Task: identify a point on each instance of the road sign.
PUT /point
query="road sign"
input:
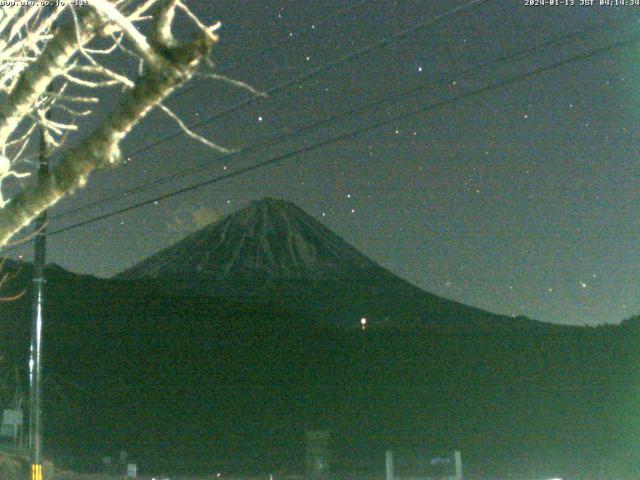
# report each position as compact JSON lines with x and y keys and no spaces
{"x":12,"y":417}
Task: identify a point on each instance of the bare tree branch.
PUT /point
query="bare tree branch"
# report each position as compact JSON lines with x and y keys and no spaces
{"x":169,"y":67}
{"x":49,"y":60}
{"x":34,"y":81}
{"x":192,"y":134}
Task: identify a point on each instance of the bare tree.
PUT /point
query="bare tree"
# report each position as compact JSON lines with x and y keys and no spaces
{"x":53,"y":58}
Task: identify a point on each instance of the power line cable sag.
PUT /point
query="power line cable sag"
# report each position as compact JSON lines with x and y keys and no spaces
{"x":261,"y":51}
{"x":444,"y":79}
{"x":353,"y":133}
{"x":362,"y":51}
{"x":318,"y":70}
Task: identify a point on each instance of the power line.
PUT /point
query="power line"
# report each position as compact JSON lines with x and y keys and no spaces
{"x":358,"y":109}
{"x":378,"y":44}
{"x":316,"y":71}
{"x":261,"y":51}
{"x":354,"y":133}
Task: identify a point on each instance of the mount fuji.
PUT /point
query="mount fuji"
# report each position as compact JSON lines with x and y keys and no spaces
{"x":272,"y":251}
{"x":225,"y":347}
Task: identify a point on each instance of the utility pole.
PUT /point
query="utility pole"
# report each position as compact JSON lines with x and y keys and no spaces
{"x":458,"y":462}
{"x":389,"y":465}
{"x":37,"y":313}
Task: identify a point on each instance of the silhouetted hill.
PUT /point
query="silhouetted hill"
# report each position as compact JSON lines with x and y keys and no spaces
{"x":272,"y":251}
{"x":186,"y":381}
{"x":218,"y":352}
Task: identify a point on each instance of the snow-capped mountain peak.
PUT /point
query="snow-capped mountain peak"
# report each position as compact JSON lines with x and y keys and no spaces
{"x":268,"y":238}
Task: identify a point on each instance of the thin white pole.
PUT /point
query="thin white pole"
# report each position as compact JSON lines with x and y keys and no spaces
{"x":458,"y":459}
{"x":389,"y":461}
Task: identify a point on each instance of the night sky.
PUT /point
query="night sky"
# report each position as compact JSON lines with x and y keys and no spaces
{"x":522,"y":200}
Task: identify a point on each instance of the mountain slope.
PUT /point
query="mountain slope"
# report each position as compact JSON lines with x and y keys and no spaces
{"x":193,"y":383}
{"x":269,"y":238}
{"x":190,"y":382}
{"x":272,"y":251}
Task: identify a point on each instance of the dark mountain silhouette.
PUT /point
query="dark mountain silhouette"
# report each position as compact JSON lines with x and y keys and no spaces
{"x":272,"y":251}
{"x":204,"y":379}
{"x":270,"y":238}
